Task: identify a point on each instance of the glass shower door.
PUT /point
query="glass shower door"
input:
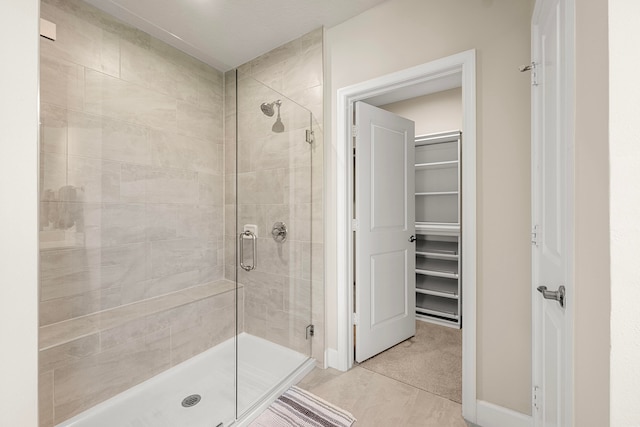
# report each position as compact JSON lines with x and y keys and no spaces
{"x":272,"y":239}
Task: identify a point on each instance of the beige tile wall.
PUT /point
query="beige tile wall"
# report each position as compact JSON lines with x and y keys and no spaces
{"x":132,"y":209}
{"x":279,"y":179}
{"x":137,"y":177}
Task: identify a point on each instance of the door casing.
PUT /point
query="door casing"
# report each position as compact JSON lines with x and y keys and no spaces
{"x":457,"y":70}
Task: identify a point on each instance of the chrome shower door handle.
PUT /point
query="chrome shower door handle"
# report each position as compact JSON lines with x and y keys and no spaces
{"x":558,"y":295}
{"x":241,"y":237}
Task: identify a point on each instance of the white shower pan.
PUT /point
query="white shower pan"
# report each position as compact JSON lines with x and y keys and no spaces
{"x":265,"y":370}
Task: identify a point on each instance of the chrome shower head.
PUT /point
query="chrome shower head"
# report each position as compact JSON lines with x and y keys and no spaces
{"x":267,"y":109}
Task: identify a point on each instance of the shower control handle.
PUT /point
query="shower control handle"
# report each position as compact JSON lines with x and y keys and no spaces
{"x":279,"y":232}
{"x":247,"y":234}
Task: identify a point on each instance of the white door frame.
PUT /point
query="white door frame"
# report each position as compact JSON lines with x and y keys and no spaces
{"x":463,"y":65}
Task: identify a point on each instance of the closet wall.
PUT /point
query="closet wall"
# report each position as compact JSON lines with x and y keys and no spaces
{"x":437,"y":112}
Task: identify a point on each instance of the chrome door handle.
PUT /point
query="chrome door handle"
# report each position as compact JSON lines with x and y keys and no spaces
{"x":558,"y":295}
{"x":253,"y":238}
{"x":412,"y":239}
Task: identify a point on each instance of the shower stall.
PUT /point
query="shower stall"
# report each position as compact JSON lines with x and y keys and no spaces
{"x":176,"y":231}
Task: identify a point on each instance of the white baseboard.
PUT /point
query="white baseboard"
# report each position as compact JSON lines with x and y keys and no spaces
{"x":331,"y":356}
{"x":490,"y":415}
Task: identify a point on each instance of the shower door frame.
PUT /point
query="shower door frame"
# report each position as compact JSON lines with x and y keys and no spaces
{"x":247,"y":415}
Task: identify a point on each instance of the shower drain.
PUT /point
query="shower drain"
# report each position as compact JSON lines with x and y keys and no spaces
{"x":190,"y":401}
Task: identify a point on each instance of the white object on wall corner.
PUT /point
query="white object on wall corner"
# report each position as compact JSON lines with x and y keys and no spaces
{"x":48,"y":29}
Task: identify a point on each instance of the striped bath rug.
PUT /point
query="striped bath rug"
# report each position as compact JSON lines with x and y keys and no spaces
{"x":297,"y":407}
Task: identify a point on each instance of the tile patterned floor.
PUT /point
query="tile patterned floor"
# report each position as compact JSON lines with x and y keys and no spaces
{"x":376,"y":400}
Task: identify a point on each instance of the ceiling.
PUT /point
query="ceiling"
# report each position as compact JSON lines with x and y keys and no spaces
{"x":228,"y":33}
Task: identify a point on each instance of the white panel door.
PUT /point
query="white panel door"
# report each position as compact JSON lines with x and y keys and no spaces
{"x":385,"y":213}
{"x":552,"y":182}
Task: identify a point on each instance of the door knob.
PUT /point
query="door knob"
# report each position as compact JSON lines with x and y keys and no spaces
{"x":558,"y":295}
{"x":412,"y":239}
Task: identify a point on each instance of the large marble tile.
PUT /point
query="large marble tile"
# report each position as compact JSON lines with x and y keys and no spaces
{"x":172,"y":283}
{"x":263,"y":288}
{"x":272,"y":187}
{"x":297,"y":297}
{"x":303,"y":71}
{"x":94,"y":379}
{"x":275,"y":56}
{"x":123,"y":265}
{"x":161,"y":221}
{"x":82,"y":41}
{"x":203,"y":221}
{"x":108,"y":139}
{"x":53,"y":129}
{"x":188,"y":62}
{"x":180,"y":255}
{"x":199,"y":122}
{"x":68,"y":353}
{"x":210,"y":189}
{"x":230,"y":251}
{"x":45,"y":398}
{"x":288,"y":330}
{"x":62,"y":83}
{"x":77,"y":305}
{"x":222,"y":290}
{"x":171,"y":186}
{"x":210,"y":328}
{"x":312,"y":39}
{"x":271,"y":152}
{"x":184,"y":152}
{"x":299,"y":185}
{"x":118,"y":99}
{"x":301,"y":224}
{"x":61,"y":283}
{"x":122,"y":224}
{"x":268,"y":214}
{"x":150,"y":68}
{"x":53,"y":174}
{"x":96,"y":180}
{"x":133,"y":183}
{"x":273,"y":257}
{"x":230,"y":189}
{"x":255,"y":318}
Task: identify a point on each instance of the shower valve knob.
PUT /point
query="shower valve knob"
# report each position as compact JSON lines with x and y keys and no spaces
{"x":279,"y":232}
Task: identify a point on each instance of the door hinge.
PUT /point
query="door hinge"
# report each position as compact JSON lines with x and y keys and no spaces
{"x":535,"y":231}
{"x":535,"y":399}
{"x":309,"y":136}
{"x":355,"y":224}
{"x":534,"y":72}
{"x":355,"y":318}
{"x":310,"y":331}
{"x":354,"y":131}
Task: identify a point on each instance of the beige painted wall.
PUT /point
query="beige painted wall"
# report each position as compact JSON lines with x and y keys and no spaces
{"x":18,"y":214}
{"x":592,"y":299}
{"x":437,"y":112}
{"x":402,"y":33}
{"x":624,"y":150}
